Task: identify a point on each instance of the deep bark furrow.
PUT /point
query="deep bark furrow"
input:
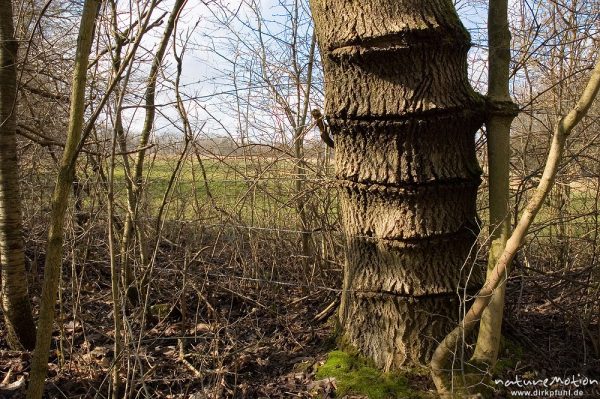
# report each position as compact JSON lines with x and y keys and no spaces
{"x":407,"y":188}
{"x":383,"y":293}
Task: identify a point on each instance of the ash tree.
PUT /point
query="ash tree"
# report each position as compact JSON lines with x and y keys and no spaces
{"x":403,"y":116}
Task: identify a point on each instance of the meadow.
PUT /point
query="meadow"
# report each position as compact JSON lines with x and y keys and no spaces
{"x":229,"y":268}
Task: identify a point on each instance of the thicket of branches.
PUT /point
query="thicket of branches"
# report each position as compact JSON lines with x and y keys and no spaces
{"x":202,"y":231}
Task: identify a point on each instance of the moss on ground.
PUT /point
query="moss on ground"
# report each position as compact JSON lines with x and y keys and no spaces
{"x":354,"y":375}
{"x":510,"y":354}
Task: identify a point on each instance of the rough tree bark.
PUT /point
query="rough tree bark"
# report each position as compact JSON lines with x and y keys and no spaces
{"x":404,"y":117}
{"x":15,"y":297}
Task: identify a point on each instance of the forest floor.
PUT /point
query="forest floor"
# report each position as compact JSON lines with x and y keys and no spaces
{"x":245,"y":338}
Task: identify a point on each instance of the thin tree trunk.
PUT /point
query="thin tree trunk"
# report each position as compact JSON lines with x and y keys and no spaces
{"x":60,"y":199}
{"x":124,"y":264}
{"x":115,"y":271}
{"x":115,"y":267}
{"x":300,"y":172}
{"x":134,"y":190}
{"x":297,"y":121}
{"x":448,"y":347}
{"x":501,"y":112}
{"x":403,"y":116}
{"x":15,"y":297}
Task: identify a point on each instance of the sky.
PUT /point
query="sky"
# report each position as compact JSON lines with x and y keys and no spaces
{"x":208,"y":64}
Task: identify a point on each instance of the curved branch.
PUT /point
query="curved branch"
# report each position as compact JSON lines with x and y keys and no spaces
{"x":562,"y":130}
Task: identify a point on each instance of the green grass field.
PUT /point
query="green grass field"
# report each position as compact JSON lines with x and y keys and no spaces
{"x":260,"y":193}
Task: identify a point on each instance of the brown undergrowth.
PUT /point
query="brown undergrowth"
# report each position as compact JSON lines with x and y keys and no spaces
{"x":247,"y":320}
{"x":248,"y":327}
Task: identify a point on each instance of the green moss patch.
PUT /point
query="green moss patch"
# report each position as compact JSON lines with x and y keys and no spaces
{"x":510,"y":355}
{"x":354,"y":376}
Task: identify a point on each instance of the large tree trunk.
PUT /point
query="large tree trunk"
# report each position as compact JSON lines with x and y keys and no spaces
{"x":15,"y":297}
{"x":404,"y":117}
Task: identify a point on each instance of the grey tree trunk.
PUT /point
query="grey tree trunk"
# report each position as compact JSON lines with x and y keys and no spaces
{"x":15,"y":297}
{"x":501,"y":112}
{"x":404,"y":117}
